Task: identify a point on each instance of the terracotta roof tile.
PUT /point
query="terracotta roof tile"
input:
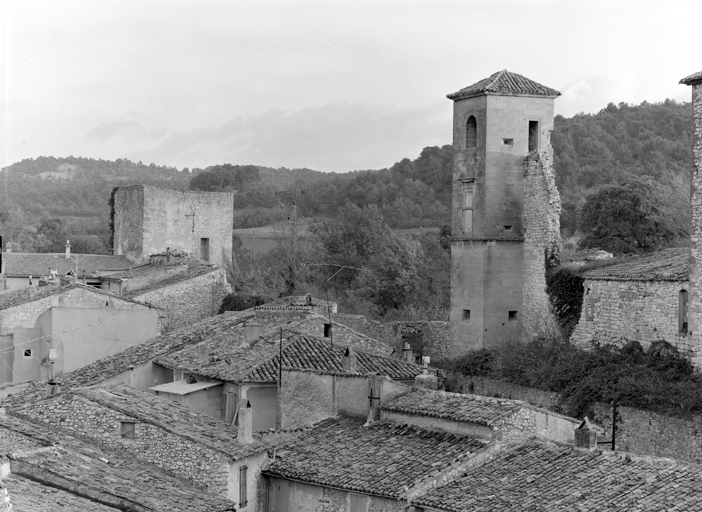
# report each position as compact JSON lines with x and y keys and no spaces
{"x":665,"y":265}
{"x":26,"y":494}
{"x":238,"y":361}
{"x":455,"y":406}
{"x":558,"y":478}
{"x":21,"y":296}
{"x":505,"y":83}
{"x":22,"y":264}
{"x":692,"y":79}
{"x":383,"y":458}
{"x":83,"y":469}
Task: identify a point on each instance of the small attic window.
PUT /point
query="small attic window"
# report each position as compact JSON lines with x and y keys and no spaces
{"x":327,"y":330}
{"x":471,"y":133}
{"x":508,"y":142}
{"x":466,"y":315}
{"x":512,"y":316}
{"x":127,"y":429}
{"x":27,"y":353}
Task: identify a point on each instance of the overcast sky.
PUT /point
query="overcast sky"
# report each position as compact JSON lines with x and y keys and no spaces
{"x":325,"y":84}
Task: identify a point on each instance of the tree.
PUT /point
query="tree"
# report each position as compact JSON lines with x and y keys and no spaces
{"x":54,"y":233}
{"x":633,"y":217}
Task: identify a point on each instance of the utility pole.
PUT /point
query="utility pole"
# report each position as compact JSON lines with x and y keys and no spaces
{"x":293,"y":221}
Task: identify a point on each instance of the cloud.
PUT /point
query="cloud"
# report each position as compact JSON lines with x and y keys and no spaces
{"x":108,"y":129}
{"x":334,"y":137}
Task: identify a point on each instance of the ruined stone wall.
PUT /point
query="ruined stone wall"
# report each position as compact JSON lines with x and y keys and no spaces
{"x":542,"y":210}
{"x":86,"y":419}
{"x":26,"y":314}
{"x":188,"y":301}
{"x":695,"y":302}
{"x":175,"y":219}
{"x":432,"y":338}
{"x":616,"y":311}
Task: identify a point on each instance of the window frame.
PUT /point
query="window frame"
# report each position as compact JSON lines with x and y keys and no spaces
{"x":243,"y":497}
{"x":124,"y":434}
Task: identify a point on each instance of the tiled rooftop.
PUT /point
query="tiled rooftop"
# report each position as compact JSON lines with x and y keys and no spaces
{"x":558,"y":478}
{"x":692,"y":79}
{"x":298,"y":303}
{"x":383,"y":458}
{"x":22,"y":264}
{"x":82,"y":469}
{"x":258,"y":361}
{"x":21,"y":296}
{"x":220,"y":326}
{"x":454,"y":406}
{"x":506,"y":83}
{"x":170,"y":416}
{"x":28,"y":495}
{"x":664,"y":265}
{"x":178,"y":278}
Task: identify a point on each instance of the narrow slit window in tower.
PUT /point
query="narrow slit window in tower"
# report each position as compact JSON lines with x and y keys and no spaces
{"x":533,"y":135}
{"x":682,"y":312}
{"x":466,"y":315}
{"x":471,"y":133}
{"x":205,"y":249}
{"x":512,"y":316}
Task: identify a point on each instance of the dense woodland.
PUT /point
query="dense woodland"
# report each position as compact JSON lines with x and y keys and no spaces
{"x":623,"y":175}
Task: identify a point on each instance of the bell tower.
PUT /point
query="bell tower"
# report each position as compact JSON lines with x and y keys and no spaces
{"x":497,"y":123}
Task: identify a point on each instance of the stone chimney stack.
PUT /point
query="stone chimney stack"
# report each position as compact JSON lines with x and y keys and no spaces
{"x":585,"y":436}
{"x":252,"y":331}
{"x":349,"y":361}
{"x":245,"y":434}
{"x":407,"y":353}
{"x":695,"y":293}
{"x":68,"y":250}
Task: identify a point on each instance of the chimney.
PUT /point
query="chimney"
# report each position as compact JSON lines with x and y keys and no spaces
{"x":251,"y":331}
{"x":585,"y":437}
{"x":349,"y":361}
{"x":245,"y":434}
{"x":407,"y":353}
{"x":425,"y":379}
{"x":68,"y":250}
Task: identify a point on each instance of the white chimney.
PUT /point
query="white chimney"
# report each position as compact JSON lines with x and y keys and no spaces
{"x":585,"y":436}
{"x":68,"y":250}
{"x":349,"y":361}
{"x":245,"y":434}
{"x":407,"y":353}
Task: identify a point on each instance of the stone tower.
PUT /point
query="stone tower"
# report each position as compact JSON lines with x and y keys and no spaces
{"x":695,"y":299}
{"x":497,"y":123}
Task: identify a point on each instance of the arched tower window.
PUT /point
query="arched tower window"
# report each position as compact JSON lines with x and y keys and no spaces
{"x":471,"y":133}
{"x":682,"y":312}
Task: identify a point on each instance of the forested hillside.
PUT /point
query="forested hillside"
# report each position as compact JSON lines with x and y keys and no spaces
{"x":610,"y":147}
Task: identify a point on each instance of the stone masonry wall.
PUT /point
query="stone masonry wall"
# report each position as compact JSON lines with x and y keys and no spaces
{"x":178,"y":455}
{"x":645,"y":311}
{"x":640,"y":432}
{"x":542,"y":210}
{"x":695,"y":297}
{"x":175,"y":219}
{"x":432,"y":338}
{"x":26,"y":314}
{"x":189,"y":301}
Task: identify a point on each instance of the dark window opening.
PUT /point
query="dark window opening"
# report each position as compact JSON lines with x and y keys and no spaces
{"x":682,"y":312}
{"x":508,"y":228}
{"x":327,"y":330}
{"x":512,"y":316}
{"x":242,"y":487}
{"x":190,"y":379}
{"x":471,"y":133}
{"x":508,"y":142}
{"x":27,"y":353}
{"x":127,"y":429}
{"x":466,"y":315}
{"x":533,"y":135}
{"x":205,"y":249}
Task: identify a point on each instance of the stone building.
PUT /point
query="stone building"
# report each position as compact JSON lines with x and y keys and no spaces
{"x":149,"y":220}
{"x":496,"y":250}
{"x":224,"y":460}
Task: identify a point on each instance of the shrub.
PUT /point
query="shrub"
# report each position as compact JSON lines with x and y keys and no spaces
{"x":241,"y":301}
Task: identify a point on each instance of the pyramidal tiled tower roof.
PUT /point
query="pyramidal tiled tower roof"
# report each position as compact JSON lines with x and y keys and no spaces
{"x":507,"y":83}
{"x":692,"y":79}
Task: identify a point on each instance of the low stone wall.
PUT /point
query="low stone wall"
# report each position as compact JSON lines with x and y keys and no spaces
{"x":189,"y":301}
{"x":86,"y":419}
{"x":645,"y":311}
{"x":430,"y":338}
{"x":639,"y":432}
